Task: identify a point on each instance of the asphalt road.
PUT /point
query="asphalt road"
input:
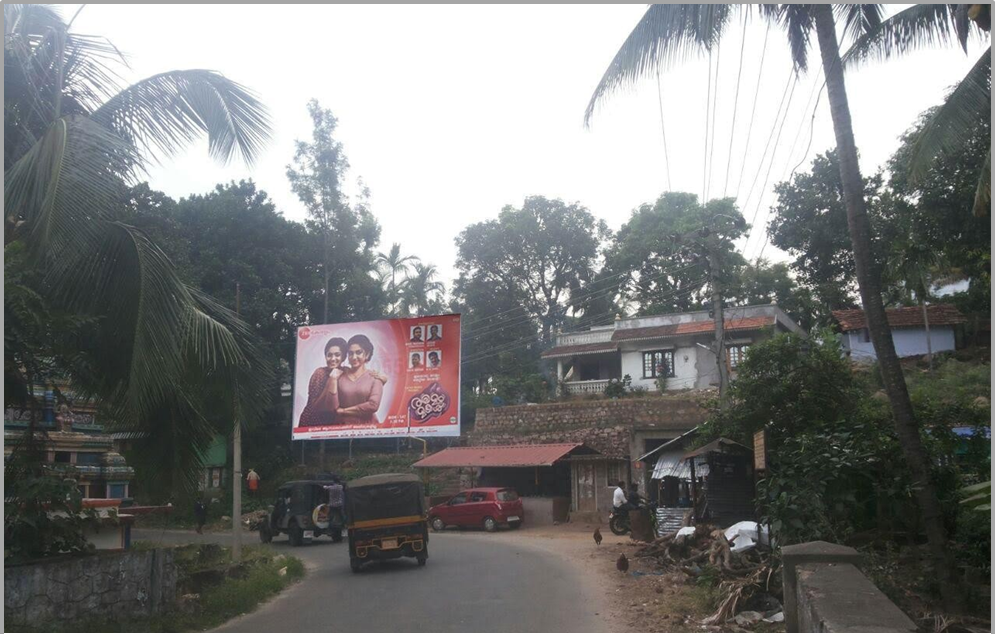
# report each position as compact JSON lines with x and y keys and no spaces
{"x":474,"y":582}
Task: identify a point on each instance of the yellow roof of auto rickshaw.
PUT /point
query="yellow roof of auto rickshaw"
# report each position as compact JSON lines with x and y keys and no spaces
{"x":383,"y":478}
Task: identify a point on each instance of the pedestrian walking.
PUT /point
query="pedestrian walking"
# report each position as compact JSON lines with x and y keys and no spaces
{"x":200,"y":513}
{"x":253,"y":479}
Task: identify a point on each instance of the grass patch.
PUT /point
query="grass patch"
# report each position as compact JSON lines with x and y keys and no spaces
{"x":225,"y":591}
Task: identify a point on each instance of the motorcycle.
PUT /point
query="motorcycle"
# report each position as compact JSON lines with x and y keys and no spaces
{"x":618,"y":522}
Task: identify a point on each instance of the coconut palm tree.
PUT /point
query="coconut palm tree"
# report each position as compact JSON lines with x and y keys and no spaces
{"x":422,"y":290}
{"x":163,"y":358}
{"x":669,"y":34}
{"x":390,"y":265}
{"x":929,"y":25}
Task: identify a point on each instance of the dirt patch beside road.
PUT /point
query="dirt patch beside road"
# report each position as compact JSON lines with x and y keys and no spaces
{"x":641,"y":600}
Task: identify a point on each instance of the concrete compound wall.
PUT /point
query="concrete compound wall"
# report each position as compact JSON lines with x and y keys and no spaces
{"x":824,"y":591}
{"x":123,"y":584}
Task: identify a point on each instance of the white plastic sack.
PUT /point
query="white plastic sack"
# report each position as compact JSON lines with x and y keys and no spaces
{"x":743,"y":536}
{"x":684,"y":533}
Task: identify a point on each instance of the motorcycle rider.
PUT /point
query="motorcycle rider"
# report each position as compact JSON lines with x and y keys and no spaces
{"x":620,"y":503}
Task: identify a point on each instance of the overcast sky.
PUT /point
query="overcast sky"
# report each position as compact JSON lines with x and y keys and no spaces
{"x":448,"y":113}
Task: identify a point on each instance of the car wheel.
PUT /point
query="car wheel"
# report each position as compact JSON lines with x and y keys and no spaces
{"x":437,"y":524}
{"x":296,"y":534}
{"x":264,"y":535}
{"x":490,"y":525}
{"x":515,"y":525}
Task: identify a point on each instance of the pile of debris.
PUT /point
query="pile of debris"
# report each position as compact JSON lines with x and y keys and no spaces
{"x":254,"y":519}
{"x":737,"y":559}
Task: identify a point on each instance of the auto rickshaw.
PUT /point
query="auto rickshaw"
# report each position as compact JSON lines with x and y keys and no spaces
{"x":386,"y":519}
{"x":301,"y":510}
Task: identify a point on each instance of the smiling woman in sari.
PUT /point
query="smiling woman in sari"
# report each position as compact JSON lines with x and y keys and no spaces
{"x":359,"y":391}
{"x":322,"y":389}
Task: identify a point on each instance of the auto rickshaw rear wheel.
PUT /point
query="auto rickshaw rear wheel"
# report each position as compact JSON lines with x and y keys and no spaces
{"x":422,"y":559}
{"x":355,"y":564}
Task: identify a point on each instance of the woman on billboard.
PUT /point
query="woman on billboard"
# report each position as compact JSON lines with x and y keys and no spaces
{"x":322,"y":391}
{"x":359,"y":389}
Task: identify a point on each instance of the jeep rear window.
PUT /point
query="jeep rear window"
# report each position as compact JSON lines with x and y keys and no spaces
{"x":507,"y":496}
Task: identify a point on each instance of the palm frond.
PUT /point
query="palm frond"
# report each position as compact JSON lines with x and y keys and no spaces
{"x":919,"y":26}
{"x":73,"y":174}
{"x":798,"y":23}
{"x":666,"y":34}
{"x":118,"y":274}
{"x":951,"y":125}
{"x":165,"y":112}
{"x":858,"y":19}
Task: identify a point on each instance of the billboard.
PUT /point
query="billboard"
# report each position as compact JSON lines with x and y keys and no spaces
{"x":378,"y":379}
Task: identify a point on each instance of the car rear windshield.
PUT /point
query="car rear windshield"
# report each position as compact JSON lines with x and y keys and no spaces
{"x":507,"y":496}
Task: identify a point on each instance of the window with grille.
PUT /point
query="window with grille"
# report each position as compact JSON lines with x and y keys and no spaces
{"x":658,"y":363}
{"x":736,"y":354}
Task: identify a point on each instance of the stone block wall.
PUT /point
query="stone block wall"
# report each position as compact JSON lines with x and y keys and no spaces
{"x":604,"y":425}
{"x":122,"y":584}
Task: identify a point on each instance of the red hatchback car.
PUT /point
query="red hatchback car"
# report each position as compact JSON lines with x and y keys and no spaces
{"x":484,"y":506}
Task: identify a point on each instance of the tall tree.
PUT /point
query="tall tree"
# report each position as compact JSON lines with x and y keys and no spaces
{"x":161,"y":356}
{"x":670,"y":33}
{"x":660,"y":262}
{"x":543,"y":253}
{"x":422,"y":294}
{"x":235,"y":235}
{"x":346,"y":234}
{"x":762,"y":282}
{"x":937,"y":204}
{"x":393,"y":267}
{"x":808,"y":221}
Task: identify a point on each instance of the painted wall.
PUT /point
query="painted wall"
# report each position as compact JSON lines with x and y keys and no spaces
{"x":685,"y":366}
{"x":908,"y":342}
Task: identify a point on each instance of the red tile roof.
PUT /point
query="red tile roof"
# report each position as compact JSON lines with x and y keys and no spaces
{"x":907,"y":317}
{"x":691,"y":328}
{"x":500,"y":456}
{"x":584,"y":348}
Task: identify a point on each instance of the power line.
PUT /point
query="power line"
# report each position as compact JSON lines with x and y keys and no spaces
{"x":763,"y":157}
{"x":663,"y":128}
{"x":791,"y":153}
{"x":704,"y":149}
{"x":715,"y":106}
{"x":753,"y":111}
{"x":735,"y":108}
{"x":770,"y":166}
{"x":808,"y":147}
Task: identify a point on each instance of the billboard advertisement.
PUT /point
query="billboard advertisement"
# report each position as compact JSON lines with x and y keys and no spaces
{"x":378,"y":379}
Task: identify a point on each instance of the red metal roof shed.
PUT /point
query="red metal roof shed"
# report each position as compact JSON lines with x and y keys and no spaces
{"x":504,"y":455}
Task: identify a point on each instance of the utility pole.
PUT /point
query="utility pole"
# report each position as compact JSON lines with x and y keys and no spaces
{"x":236,"y":498}
{"x":720,"y":345}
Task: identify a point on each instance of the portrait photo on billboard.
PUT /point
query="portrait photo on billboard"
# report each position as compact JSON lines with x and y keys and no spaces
{"x":377,"y":379}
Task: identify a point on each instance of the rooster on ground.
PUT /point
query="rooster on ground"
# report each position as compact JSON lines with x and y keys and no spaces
{"x":597,"y":536}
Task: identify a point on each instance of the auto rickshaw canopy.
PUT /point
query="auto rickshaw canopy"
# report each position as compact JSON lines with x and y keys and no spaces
{"x":385,"y":496}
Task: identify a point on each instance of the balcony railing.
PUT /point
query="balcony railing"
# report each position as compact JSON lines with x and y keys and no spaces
{"x":579,"y":338}
{"x":586,"y":387}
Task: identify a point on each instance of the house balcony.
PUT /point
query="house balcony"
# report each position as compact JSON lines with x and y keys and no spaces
{"x":596,"y":386}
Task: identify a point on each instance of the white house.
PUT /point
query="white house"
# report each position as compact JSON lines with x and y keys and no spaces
{"x":908,"y":330}
{"x":676,"y":347}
